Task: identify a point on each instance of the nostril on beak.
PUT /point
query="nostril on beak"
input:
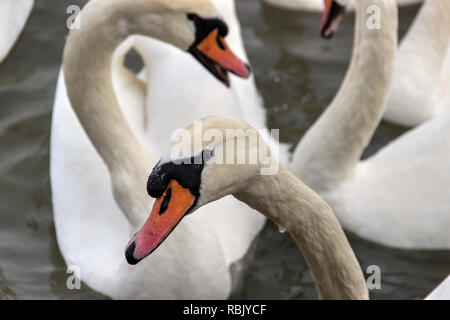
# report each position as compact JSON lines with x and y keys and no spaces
{"x":129,"y":253}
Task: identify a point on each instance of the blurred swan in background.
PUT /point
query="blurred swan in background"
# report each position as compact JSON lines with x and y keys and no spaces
{"x":399,"y":196}
{"x":93,"y":226}
{"x":420,"y":87}
{"x":13,"y":17}
{"x":317,"y":5}
{"x":421,"y":80}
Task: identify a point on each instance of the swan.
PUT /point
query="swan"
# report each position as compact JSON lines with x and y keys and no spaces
{"x":13,"y":16}
{"x":317,"y":5}
{"x":183,"y":183}
{"x":398,"y":197}
{"x":421,"y":80}
{"x":101,"y":146}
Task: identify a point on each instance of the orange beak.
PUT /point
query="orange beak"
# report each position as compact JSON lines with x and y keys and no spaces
{"x":331,"y":18}
{"x":214,"y":53}
{"x":167,"y":212}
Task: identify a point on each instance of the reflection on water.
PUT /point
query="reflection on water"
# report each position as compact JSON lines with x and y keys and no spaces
{"x":297,"y":74}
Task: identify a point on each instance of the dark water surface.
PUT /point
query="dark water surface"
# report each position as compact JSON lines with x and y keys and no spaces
{"x":297,"y":73}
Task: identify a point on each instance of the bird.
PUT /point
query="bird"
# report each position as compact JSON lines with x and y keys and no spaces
{"x":13,"y":17}
{"x":107,"y":123}
{"x":397,"y":197}
{"x":184,"y":184}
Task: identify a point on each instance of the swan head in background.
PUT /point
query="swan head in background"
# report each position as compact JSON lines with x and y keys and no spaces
{"x":332,"y":17}
{"x":181,"y":185}
{"x":195,"y":27}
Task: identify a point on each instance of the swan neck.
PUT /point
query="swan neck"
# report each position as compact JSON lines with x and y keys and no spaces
{"x":87,"y":63}
{"x":291,"y":204}
{"x":330,"y":151}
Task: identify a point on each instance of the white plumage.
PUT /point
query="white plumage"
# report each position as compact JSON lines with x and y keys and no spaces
{"x":13,"y":17}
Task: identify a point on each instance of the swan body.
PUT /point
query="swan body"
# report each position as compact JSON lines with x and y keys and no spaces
{"x":98,"y":200}
{"x":182,"y":188}
{"x":399,"y":196}
{"x":317,"y":5}
{"x":13,"y":16}
{"x":422,"y":76}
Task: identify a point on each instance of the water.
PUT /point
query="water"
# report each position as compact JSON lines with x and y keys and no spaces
{"x":297,"y":74}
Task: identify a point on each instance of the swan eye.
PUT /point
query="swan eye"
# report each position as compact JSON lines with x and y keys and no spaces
{"x":192,"y":16}
{"x":165,"y":203}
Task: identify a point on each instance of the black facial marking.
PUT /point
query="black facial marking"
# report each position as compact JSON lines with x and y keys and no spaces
{"x":165,"y":203}
{"x":203,"y":27}
{"x":187,"y":172}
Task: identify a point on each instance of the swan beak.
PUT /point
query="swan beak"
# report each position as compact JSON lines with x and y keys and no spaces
{"x":331,"y":18}
{"x":214,"y":53}
{"x":167,"y":212}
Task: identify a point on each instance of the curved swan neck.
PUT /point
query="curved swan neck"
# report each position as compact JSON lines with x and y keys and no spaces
{"x":87,"y":63}
{"x":291,"y":204}
{"x":332,"y":147}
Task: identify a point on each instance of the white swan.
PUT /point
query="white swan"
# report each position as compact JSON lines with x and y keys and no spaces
{"x":442,"y":291}
{"x":183,"y":188}
{"x":399,"y":196}
{"x":421,"y":80}
{"x":316,"y":5}
{"x":13,"y":16}
{"x":91,"y":228}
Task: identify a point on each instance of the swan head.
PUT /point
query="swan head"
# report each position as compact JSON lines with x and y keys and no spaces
{"x":332,"y":17}
{"x":195,"y":27}
{"x":220,"y":156}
